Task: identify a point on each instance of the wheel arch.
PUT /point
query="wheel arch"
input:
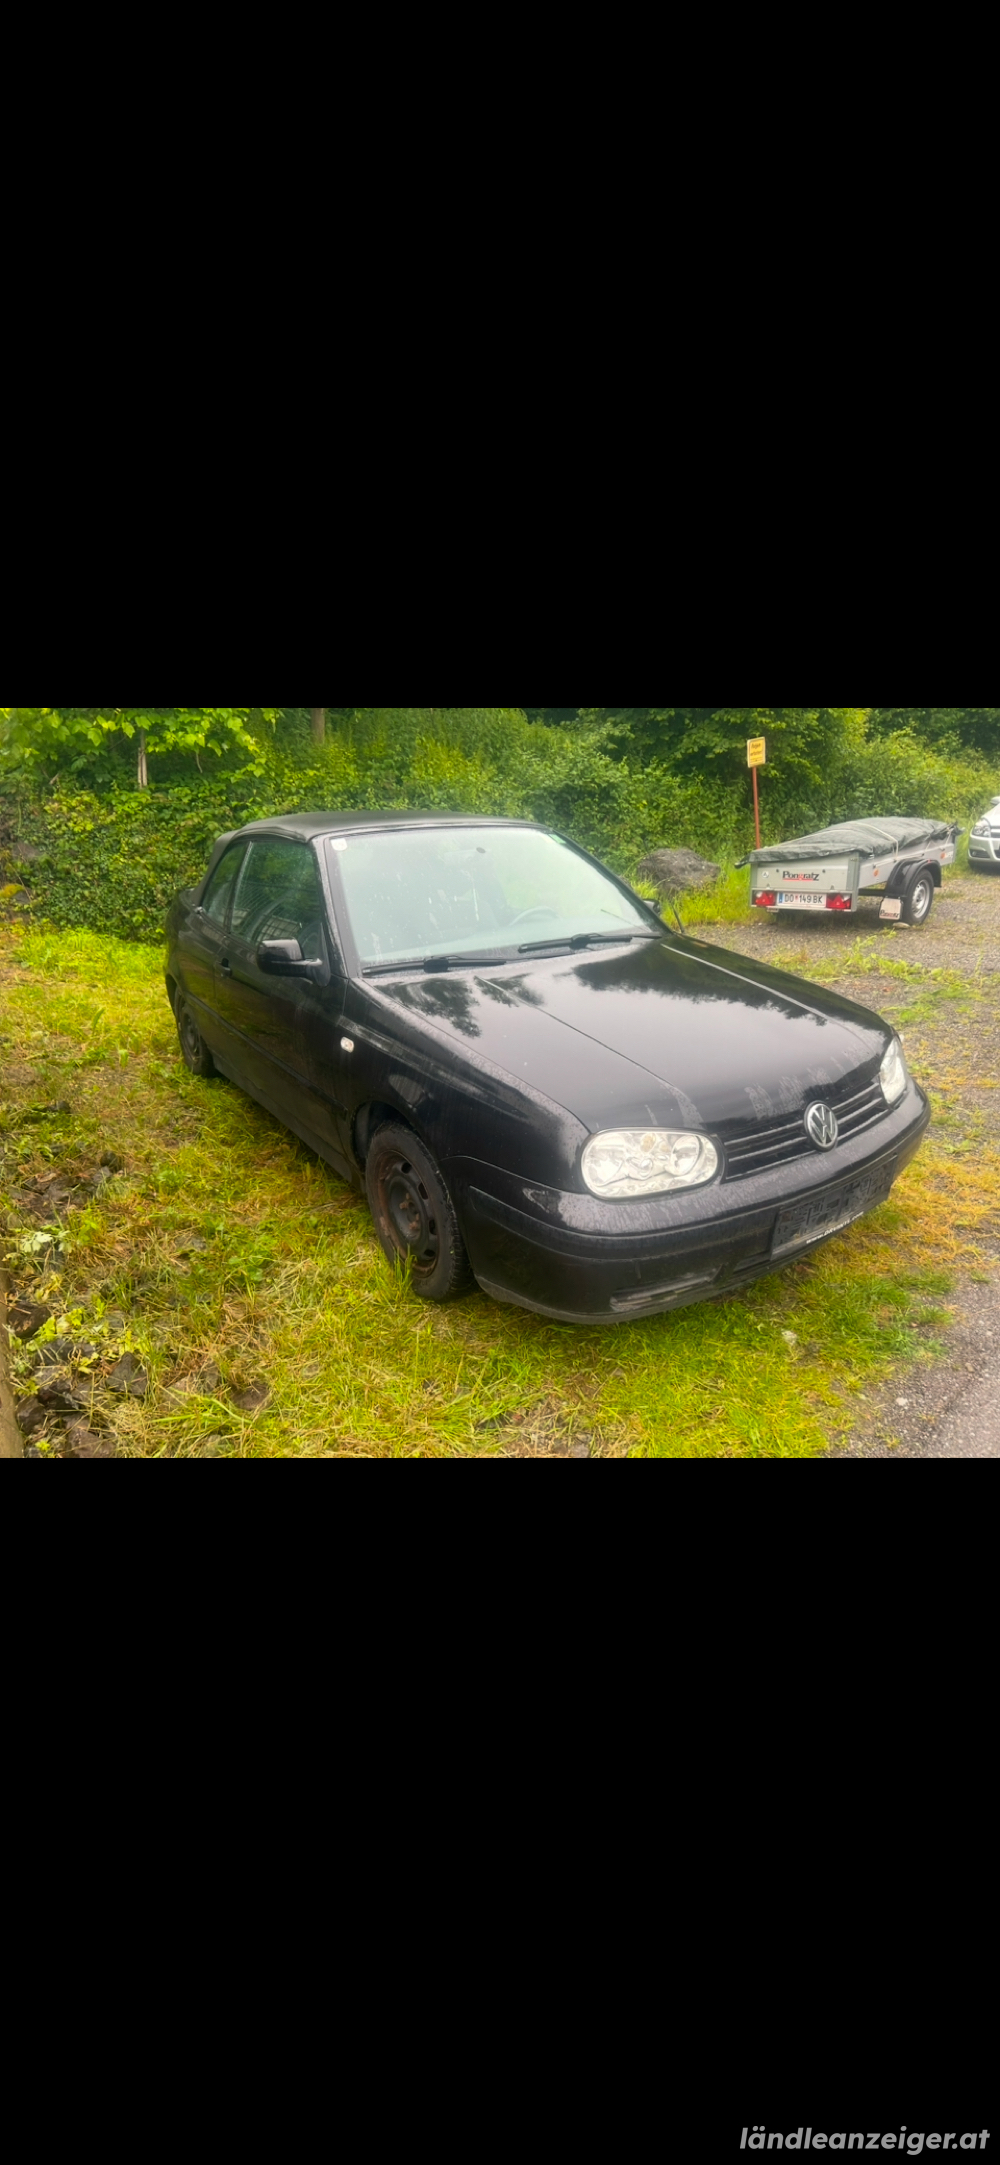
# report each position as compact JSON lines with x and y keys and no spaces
{"x":903,"y":876}
{"x":375,"y":1115}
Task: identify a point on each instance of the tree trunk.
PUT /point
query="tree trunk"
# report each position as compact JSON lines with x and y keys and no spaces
{"x":318,"y":717}
{"x":142,"y":775}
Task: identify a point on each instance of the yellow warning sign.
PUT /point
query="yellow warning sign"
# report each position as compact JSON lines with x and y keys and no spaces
{"x":756,"y":751}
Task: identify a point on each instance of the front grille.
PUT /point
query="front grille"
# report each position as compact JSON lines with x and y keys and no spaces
{"x":760,"y":1148}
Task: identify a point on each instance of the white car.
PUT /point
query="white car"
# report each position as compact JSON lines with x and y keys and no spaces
{"x":984,"y":839}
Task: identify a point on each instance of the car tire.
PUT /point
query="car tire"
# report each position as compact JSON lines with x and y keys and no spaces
{"x":193,"y":1047}
{"x":919,"y":900}
{"x":413,"y":1214}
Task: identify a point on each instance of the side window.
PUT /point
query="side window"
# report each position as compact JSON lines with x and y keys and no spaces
{"x":279,"y":896}
{"x":215,"y":900}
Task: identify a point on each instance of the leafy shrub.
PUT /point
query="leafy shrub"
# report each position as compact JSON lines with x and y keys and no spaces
{"x":113,"y":855}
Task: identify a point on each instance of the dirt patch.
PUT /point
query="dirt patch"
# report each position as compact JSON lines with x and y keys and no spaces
{"x":11,"y":1441}
{"x":549,"y":1429}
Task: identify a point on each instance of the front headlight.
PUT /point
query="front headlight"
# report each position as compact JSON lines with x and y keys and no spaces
{"x":892,"y":1073}
{"x":647,"y":1161}
{"x":982,"y":826}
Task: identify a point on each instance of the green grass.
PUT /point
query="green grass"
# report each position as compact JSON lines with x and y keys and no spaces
{"x":725,"y":902}
{"x":916,"y":993}
{"x":225,"y":1241}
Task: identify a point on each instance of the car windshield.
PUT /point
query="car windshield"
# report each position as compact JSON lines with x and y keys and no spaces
{"x":426,"y":892}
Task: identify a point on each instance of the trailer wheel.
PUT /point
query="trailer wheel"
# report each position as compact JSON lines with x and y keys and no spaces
{"x":918,"y":901}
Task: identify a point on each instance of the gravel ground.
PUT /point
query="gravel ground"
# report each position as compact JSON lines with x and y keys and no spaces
{"x":950,"y":1409}
{"x":961,"y":933}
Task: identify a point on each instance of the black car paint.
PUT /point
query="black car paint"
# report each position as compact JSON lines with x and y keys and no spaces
{"x":505,"y":1070}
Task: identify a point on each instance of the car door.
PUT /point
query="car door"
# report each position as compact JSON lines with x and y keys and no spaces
{"x":365,"y":1049}
{"x":271,"y":1022}
{"x":202,"y":942}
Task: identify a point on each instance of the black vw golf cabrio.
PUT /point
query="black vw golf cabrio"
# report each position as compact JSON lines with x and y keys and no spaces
{"x":540,"y":1086}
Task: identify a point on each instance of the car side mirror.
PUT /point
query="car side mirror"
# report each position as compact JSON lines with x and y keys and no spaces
{"x":284,"y":958}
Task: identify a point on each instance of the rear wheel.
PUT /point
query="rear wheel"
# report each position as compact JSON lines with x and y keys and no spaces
{"x":917,"y":904}
{"x":196,"y":1053}
{"x":413,"y":1214}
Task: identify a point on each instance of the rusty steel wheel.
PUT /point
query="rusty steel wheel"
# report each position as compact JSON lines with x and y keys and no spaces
{"x":413,"y":1213}
{"x":196,"y":1053}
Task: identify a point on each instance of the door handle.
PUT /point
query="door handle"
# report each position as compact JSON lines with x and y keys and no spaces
{"x":226,"y":965}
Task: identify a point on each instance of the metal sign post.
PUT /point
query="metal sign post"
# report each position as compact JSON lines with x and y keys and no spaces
{"x":756,"y":757}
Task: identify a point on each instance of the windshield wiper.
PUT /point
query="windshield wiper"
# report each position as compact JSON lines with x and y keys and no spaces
{"x":585,"y":939}
{"x":439,"y":962}
{"x":493,"y":955}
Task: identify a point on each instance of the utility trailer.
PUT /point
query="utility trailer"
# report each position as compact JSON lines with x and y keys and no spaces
{"x":897,"y":859}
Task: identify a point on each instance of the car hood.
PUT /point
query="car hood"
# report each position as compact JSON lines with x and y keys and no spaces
{"x":668,"y":1031}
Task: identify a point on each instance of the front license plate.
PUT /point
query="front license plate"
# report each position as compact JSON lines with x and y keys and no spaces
{"x":802,"y":902}
{"x":827,"y":1213}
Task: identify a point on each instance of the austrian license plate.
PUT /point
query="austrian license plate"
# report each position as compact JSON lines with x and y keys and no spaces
{"x":801,"y":901}
{"x":836,"y":1207}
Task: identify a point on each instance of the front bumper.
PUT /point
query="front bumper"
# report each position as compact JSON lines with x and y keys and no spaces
{"x":579,"y":1260}
{"x":984,"y":848}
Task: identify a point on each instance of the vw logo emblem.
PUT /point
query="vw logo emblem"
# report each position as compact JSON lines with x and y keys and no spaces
{"x":821,"y":1125}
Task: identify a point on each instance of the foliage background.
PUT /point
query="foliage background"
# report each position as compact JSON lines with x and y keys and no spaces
{"x":111,"y":853}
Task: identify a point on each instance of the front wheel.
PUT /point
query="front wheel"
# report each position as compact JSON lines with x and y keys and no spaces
{"x":413,"y":1214}
{"x":917,"y":905}
{"x":196,"y":1053}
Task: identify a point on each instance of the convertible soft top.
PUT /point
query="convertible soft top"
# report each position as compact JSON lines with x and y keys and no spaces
{"x":873,"y":837}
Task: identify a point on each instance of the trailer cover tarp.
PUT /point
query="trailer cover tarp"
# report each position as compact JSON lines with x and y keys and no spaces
{"x":873,"y":837}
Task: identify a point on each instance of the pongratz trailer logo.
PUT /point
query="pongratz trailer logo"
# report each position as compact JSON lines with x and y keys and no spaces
{"x":800,"y":875}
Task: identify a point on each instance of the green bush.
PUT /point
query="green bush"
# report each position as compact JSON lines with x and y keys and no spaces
{"x":113,"y":855}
